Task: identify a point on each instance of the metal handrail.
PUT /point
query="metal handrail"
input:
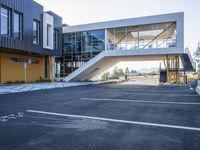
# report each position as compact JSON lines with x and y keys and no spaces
{"x":191,"y":59}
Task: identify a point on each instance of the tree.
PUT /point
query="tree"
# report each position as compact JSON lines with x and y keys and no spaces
{"x":105,"y":76}
{"x":115,"y":72}
{"x":118,"y":72}
{"x":121,"y":72}
{"x":127,"y":70}
{"x":133,"y":71}
{"x":197,"y":54}
{"x":197,"y":58}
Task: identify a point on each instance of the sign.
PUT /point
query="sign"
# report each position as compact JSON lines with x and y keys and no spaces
{"x":24,"y":60}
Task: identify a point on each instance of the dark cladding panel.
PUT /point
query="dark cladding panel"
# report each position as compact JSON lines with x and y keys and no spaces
{"x":30,"y":10}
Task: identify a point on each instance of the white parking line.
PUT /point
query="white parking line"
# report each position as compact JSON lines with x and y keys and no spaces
{"x":154,"y":90}
{"x":116,"y":120}
{"x":141,"y":101}
{"x":146,"y":93}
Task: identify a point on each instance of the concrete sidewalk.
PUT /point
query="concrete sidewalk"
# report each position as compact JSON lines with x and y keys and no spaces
{"x":6,"y":89}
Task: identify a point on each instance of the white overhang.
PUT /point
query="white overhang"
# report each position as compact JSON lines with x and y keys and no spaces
{"x":173,"y":17}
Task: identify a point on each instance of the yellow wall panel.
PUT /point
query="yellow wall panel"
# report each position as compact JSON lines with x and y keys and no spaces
{"x":14,"y":71}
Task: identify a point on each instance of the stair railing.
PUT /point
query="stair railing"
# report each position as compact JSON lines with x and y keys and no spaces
{"x":191,"y":59}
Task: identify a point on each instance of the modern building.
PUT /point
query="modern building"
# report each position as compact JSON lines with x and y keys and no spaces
{"x":34,"y":45}
{"x":90,"y":49}
{"x":29,"y":40}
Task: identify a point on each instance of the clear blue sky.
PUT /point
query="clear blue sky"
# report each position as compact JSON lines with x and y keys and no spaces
{"x":88,"y":11}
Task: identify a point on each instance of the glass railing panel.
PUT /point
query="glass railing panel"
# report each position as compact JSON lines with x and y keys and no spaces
{"x":143,"y":45}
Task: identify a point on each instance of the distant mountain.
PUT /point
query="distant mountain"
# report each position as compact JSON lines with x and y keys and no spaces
{"x":148,"y":70}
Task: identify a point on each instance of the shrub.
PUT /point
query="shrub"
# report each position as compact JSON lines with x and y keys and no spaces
{"x":22,"y":81}
{"x":16,"y":81}
{"x":43,"y":80}
{"x":9,"y":82}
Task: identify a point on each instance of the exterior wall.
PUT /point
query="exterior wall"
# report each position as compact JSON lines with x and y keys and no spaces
{"x":24,"y":48}
{"x":14,"y":71}
{"x":30,"y":10}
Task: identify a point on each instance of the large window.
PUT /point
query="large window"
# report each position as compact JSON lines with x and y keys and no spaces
{"x":5,"y":22}
{"x":94,"y":41}
{"x":17,"y":26}
{"x":80,"y":47}
{"x":89,"y":41}
{"x":49,"y":34}
{"x":162,"y":35}
{"x":36,"y":32}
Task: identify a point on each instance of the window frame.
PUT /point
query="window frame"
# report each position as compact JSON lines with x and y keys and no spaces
{"x":9,"y":21}
{"x":56,"y":38}
{"x":20,"y":25}
{"x":48,"y":28}
{"x":37,"y":31}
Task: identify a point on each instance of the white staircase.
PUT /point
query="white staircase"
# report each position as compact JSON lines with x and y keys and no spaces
{"x":95,"y":66}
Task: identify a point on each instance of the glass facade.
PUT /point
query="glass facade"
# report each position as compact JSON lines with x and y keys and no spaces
{"x":5,"y":22}
{"x":151,"y":36}
{"x":91,"y":41}
{"x":17,"y":26}
{"x":80,"y":47}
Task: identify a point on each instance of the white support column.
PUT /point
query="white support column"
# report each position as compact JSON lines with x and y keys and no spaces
{"x":106,"y":39}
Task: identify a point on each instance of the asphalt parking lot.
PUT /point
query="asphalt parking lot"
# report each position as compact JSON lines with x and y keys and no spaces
{"x":101,"y":117}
